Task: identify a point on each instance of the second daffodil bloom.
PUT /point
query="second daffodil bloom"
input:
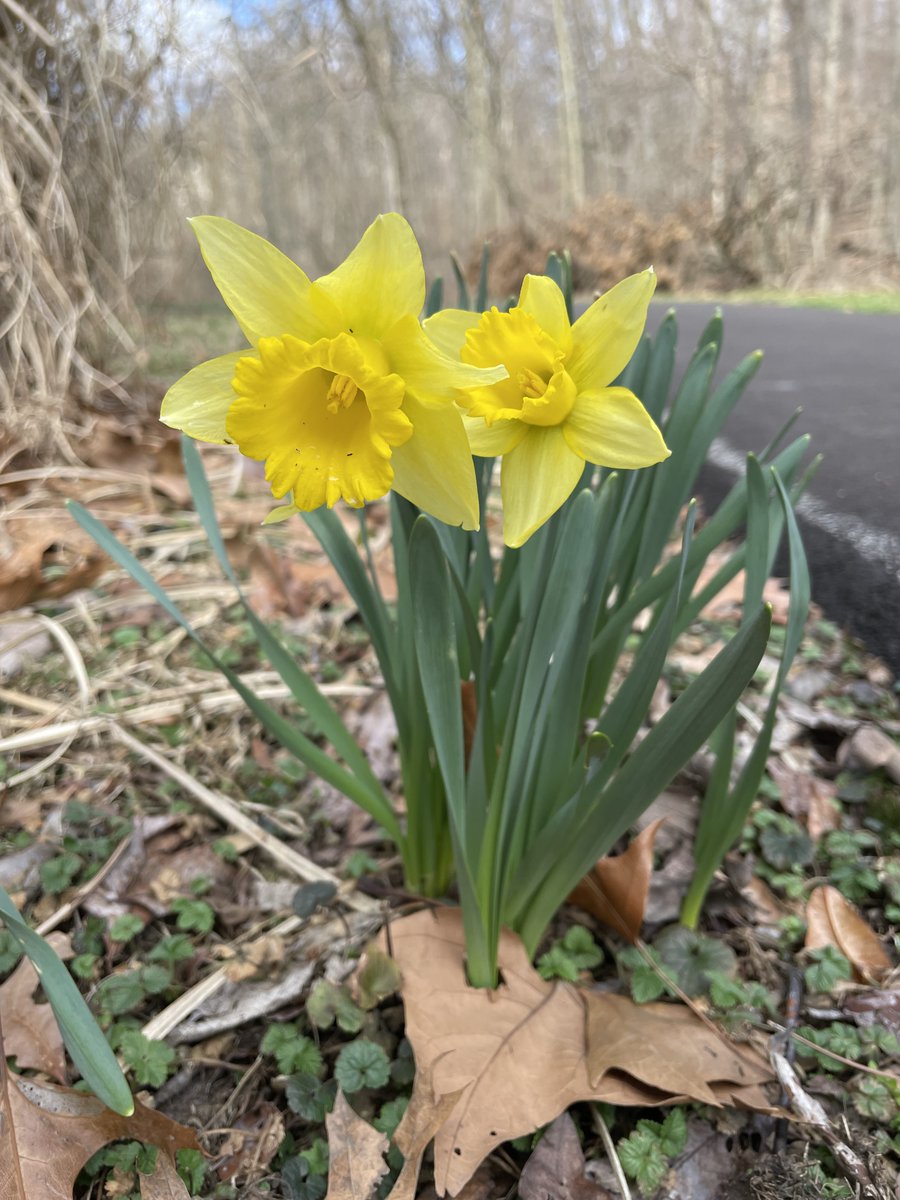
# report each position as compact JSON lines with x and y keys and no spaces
{"x":340,"y":392}
{"x":555,"y":411}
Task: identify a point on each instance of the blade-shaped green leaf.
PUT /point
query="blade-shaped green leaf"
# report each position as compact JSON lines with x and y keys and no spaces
{"x":302,"y":686}
{"x":434,"y":301}
{"x":722,"y":816}
{"x":435,"y":640}
{"x":589,"y":825}
{"x":462,"y":288}
{"x":85,"y":1041}
{"x":344,"y":557}
{"x":481,"y":294}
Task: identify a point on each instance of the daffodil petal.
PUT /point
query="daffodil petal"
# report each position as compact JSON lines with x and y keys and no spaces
{"x":267,"y":292}
{"x":198,"y":403}
{"x":541,"y":297}
{"x":428,"y":372}
{"x":606,"y":336}
{"x":536,"y":479}
{"x":448,"y":329}
{"x":380,"y":280}
{"x":613,"y":429}
{"x":434,"y":469}
{"x":487,"y":441}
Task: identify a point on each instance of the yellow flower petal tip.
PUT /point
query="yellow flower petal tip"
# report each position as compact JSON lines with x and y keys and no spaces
{"x":556,"y":410}
{"x":340,"y":392}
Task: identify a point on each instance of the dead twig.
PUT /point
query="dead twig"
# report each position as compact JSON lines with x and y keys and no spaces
{"x":610,"y":1147}
{"x":809,"y":1109}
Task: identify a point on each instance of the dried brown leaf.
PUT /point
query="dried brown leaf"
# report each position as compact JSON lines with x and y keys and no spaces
{"x":252,"y":959}
{"x":833,"y":921}
{"x":48,"y":1133}
{"x":615,"y":891}
{"x":355,"y":1154}
{"x":556,"y":1168}
{"x":424,"y":1116}
{"x":30,"y":1030}
{"x":37,"y":545}
{"x":766,"y":907}
{"x":164,"y":1183}
{"x":519,"y":1055}
{"x":482,"y":1186}
{"x":667,"y":1048}
{"x":807,"y":797}
{"x":20,"y":577}
{"x":283,"y":587}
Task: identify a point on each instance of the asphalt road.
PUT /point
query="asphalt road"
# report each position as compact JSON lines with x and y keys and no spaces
{"x":843,"y":370}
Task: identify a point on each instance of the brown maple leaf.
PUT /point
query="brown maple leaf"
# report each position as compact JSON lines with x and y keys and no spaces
{"x":48,"y":1133}
{"x":520,"y":1055}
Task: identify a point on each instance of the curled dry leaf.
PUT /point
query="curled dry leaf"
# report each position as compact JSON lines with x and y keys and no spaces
{"x":48,"y":1133}
{"x":520,"y":1055}
{"x":833,"y":921}
{"x":764,"y":905}
{"x":615,"y":891}
{"x":30,"y":1031}
{"x":355,"y":1154}
{"x":556,"y":1168}
{"x":37,"y":545}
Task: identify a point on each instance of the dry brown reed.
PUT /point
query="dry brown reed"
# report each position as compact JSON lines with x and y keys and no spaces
{"x":75,"y":85}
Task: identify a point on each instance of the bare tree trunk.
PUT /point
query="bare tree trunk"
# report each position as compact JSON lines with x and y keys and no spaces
{"x":487,"y":115}
{"x":571,"y":112}
{"x":889,"y":190}
{"x":379,"y":77}
{"x":799,"y":41}
{"x":827,"y":135}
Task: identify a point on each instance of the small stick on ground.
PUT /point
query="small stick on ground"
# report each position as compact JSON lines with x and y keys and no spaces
{"x":609,"y":1146}
{"x":810,"y":1110}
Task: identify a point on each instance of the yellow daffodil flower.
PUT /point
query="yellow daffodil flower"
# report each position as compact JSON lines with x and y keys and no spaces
{"x":555,"y":411}
{"x":341,"y":392}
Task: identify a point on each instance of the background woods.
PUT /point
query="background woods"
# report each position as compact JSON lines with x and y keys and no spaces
{"x":730,"y":142}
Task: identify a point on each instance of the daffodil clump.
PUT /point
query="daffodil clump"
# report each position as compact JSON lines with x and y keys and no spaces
{"x":522,"y":736}
{"x":346,"y":396}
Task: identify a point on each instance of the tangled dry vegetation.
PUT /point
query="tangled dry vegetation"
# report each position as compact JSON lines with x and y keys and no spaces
{"x":72,"y":152}
{"x":608,"y":238}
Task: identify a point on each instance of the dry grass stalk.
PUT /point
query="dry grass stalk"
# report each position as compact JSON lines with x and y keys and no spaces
{"x":74,"y":87}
